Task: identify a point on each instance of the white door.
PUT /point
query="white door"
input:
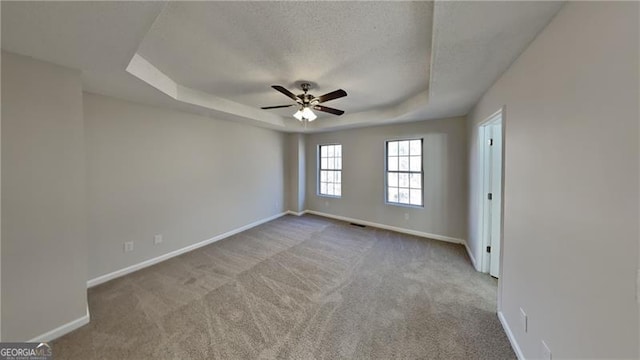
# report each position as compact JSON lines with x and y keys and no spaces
{"x":492,"y":194}
{"x":495,"y":205}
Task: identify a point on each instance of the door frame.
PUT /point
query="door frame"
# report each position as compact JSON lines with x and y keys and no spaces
{"x":483,"y":259}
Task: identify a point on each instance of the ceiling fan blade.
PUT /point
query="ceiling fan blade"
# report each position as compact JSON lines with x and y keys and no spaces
{"x":328,"y":109}
{"x":276,"y":107}
{"x":332,"y":95}
{"x":285,"y":92}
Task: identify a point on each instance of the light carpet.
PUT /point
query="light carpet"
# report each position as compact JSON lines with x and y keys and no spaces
{"x":298,"y":288}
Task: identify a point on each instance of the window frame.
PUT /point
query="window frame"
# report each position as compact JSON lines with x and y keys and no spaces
{"x":320,"y":169}
{"x":386,"y":172}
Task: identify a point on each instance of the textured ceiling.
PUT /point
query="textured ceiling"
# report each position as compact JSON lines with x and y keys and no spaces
{"x":475,"y":42}
{"x":399,"y":61}
{"x":92,"y":36}
{"x":378,"y":52}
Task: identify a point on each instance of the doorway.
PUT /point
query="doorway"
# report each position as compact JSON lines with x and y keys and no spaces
{"x":491,"y":150}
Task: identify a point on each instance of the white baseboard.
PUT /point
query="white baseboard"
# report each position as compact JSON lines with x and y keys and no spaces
{"x":473,"y":259}
{"x":388,"y":227}
{"x":510,"y":336}
{"x":291,"y":212}
{"x":62,"y":330}
{"x":129,"y":269}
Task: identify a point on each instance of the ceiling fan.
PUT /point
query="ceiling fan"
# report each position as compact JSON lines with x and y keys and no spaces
{"x":305,"y":102}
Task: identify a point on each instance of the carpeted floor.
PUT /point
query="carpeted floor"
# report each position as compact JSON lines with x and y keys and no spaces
{"x":298,"y":288}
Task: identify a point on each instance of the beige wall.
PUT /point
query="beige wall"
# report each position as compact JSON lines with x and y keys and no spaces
{"x":571,"y":184}
{"x":44,"y":248}
{"x":187,"y":177}
{"x":0,"y":191}
{"x":445,"y":189}
{"x":296,"y":175}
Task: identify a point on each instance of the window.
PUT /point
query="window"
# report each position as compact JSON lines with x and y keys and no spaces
{"x":404,"y":172}
{"x":330,"y":181}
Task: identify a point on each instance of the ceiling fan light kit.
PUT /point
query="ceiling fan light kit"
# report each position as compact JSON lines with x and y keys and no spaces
{"x":306,"y":101}
{"x":306,"y":113}
{"x":298,"y":115}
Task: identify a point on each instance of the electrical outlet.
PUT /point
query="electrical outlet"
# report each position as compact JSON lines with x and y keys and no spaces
{"x":523,"y":320}
{"x":406,"y":216}
{"x":128,"y":246}
{"x":326,"y":204}
{"x":157,"y":239}
{"x":546,"y":353}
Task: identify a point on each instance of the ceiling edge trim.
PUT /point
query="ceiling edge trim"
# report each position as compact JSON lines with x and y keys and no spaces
{"x":147,"y":72}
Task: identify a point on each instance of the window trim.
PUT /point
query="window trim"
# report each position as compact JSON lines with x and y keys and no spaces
{"x":319,"y":169}
{"x":386,"y":172}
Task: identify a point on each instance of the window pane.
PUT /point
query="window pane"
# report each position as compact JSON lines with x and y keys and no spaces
{"x":415,"y":181}
{"x":392,"y":179}
{"x":403,"y":180}
{"x":415,"y":197}
{"x":392,"y":194}
{"x":414,"y":163}
{"x":415,"y":147}
{"x":403,"y":148}
{"x":392,"y":163}
{"x":404,"y":171}
{"x":404,"y":163}
{"x":392,"y":148}
{"x":330,"y":165}
{"x":403,"y":196}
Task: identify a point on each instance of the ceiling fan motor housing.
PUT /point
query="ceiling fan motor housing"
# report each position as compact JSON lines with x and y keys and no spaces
{"x":308,"y":99}
{"x":305,"y":101}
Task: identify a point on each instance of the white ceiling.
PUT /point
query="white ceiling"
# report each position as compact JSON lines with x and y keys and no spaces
{"x":398,"y":61}
{"x":379,"y":52}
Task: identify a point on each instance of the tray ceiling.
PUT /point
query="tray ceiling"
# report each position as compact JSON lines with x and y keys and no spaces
{"x":398,"y":61}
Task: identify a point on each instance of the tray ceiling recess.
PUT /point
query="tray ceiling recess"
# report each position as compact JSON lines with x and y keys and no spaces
{"x":398,"y":61}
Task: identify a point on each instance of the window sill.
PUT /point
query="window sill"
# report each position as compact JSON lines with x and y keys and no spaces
{"x":329,"y":196}
{"x":420,"y":207}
